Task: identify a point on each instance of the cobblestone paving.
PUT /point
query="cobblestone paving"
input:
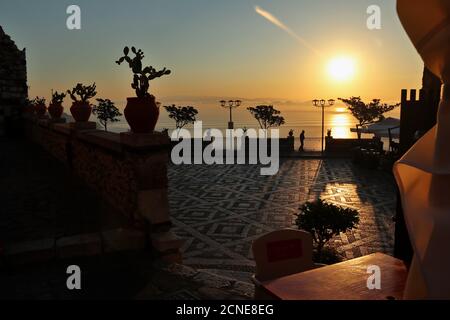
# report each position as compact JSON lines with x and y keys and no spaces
{"x":124,"y":275}
{"x":218,"y":210}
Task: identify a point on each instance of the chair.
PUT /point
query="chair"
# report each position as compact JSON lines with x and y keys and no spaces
{"x":281,"y":253}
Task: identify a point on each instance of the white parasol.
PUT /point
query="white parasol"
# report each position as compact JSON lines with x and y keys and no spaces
{"x":381,"y":128}
{"x":423,"y":174}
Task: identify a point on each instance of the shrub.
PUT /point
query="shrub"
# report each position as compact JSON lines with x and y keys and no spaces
{"x":324,"y":221}
{"x":106,"y":112}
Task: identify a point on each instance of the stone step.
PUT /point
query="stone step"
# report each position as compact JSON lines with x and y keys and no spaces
{"x":209,"y":284}
{"x":231,"y":274}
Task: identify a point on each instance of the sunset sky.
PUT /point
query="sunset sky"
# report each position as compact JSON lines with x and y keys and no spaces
{"x":216,"y":48}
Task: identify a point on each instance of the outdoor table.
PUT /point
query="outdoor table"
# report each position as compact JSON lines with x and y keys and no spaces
{"x":342,"y":281}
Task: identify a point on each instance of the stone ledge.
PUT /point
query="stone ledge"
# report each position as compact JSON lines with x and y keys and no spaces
{"x":43,"y":121}
{"x":106,"y":140}
{"x":30,"y":251}
{"x":88,"y":132}
{"x":88,"y":125}
{"x":79,"y":245}
{"x":166,"y":241}
{"x":123,"y":239}
{"x":172,"y":257}
{"x":63,"y":128}
{"x":53,"y":121}
{"x":141,"y":141}
{"x":69,"y":128}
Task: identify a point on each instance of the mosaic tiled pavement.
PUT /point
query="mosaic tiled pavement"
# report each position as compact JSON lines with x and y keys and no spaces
{"x":218,"y":210}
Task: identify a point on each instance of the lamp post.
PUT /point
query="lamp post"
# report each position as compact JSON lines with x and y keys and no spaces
{"x":230,"y":104}
{"x":323,"y":103}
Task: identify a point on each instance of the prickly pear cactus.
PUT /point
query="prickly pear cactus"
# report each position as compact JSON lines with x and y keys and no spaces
{"x":142,"y":76}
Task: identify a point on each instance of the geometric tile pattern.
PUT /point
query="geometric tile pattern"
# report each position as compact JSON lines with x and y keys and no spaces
{"x":219,"y":209}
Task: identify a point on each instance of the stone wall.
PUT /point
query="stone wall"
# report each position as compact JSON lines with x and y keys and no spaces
{"x":13,"y":82}
{"x":128,"y":171}
{"x":346,"y":146}
{"x":286,"y":147}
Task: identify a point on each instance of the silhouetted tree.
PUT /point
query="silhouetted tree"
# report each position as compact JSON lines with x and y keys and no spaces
{"x":106,"y":112}
{"x":367,"y":113}
{"x":181,"y":115}
{"x":267,"y":116}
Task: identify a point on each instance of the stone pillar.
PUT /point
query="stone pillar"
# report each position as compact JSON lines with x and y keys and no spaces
{"x":128,"y":171}
{"x":149,"y":156}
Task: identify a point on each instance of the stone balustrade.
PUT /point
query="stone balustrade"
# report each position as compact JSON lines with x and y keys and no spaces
{"x":126,"y":170}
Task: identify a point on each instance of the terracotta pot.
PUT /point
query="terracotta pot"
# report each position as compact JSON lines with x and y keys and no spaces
{"x":81,"y":111}
{"x":141,"y":114}
{"x":55,"y":110}
{"x":40,"y":109}
{"x":29,"y":109}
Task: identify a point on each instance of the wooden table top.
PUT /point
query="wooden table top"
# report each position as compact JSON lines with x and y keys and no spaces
{"x":342,"y":281}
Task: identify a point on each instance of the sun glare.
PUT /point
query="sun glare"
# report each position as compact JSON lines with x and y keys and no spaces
{"x":341,"y":68}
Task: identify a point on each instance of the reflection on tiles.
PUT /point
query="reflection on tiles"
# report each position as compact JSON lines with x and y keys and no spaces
{"x":218,"y":210}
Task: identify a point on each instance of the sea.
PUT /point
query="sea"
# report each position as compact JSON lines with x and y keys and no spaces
{"x":298,"y":117}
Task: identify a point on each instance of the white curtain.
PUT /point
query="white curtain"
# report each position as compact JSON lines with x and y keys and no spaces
{"x":423,"y":173}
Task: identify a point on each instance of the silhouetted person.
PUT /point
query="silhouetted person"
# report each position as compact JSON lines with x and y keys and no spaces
{"x":302,"y":141}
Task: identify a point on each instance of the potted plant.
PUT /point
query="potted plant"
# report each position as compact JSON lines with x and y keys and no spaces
{"x":106,"y":112}
{"x":28,"y":107}
{"x":81,"y":109}
{"x":55,"y":108}
{"x":324,"y":221}
{"x":141,"y":112}
{"x":39,"y":106}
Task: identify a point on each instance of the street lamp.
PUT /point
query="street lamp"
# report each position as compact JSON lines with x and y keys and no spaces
{"x":230,"y":104}
{"x":322,"y":103}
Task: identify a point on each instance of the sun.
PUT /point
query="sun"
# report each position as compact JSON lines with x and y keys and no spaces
{"x":341,"y":68}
